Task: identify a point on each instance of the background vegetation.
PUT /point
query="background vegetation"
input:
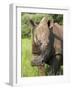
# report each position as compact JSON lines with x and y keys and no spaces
{"x":25,"y":21}
{"x":26,"y":68}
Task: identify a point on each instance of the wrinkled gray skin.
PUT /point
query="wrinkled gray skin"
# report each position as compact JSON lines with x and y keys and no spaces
{"x":40,"y":41}
{"x":48,"y":37}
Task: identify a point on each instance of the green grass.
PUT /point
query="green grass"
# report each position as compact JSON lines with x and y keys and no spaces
{"x":26,"y":69}
{"x":26,"y":57}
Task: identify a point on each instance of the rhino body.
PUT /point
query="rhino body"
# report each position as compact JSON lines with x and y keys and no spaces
{"x":47,"y":46}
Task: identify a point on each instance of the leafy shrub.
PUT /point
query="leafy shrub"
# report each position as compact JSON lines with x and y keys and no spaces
{"x":58,"y":18}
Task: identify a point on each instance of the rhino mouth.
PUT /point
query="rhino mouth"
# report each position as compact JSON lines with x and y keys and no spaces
{"x":37,"y":60}
{"x":40,"y":59}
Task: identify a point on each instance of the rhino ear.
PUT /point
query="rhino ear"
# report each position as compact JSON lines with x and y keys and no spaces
{"x":50,"y":24}
{"x":32,"y":23}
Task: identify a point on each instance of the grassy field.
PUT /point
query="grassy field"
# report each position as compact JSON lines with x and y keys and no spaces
{"x":26,"y":69}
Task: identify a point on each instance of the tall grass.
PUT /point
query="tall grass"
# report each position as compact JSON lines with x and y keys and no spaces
{"x":26,"y":69}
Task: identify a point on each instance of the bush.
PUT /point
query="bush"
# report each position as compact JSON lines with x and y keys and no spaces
{"x":58,"y":18}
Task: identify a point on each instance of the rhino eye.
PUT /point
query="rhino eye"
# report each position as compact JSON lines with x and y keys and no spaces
{"x":39,"y":43}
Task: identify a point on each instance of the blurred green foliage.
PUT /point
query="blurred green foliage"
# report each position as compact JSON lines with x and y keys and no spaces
{"x":58,"y":18}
